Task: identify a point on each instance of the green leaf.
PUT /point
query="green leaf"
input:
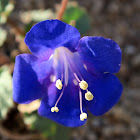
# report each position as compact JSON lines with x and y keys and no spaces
{"x":28,"y":27}
{"x":80,"y":16}
{"x":3,"y":4}
{"x":6,"y":7}
{"x":48,"y":128}
{"x":5,"y":91}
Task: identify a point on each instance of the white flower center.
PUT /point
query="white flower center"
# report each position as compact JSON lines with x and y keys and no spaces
{"x":63,"y":60}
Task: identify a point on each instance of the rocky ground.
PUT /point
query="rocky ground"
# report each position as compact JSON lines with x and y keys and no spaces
{"x":120,"y":123}
{"x":119,"y":20}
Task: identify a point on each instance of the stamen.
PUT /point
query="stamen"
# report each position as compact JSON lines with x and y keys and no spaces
{"x":83,"y":116}
{"x":66,"y":70}
{"x":59,"y":84}
{"x":54,"y":109}
{"x":73,"y":68}
{"x":60,"y":96}
{"x":89,"y":96}
{"x":76,"y":77}
{"x":83,"y":85}
{"x":67,"y":63}
{"x":62,"y":76}
{"x":80,"y":97}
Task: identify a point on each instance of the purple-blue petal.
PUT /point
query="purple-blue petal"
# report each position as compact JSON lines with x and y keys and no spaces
{"x":105,"y":87}
{"x":107,"y":90}
{"x":100,"y":54}
{"x":46,"y":36}
{"x":69,"y":105}
{"x":29,"y":77}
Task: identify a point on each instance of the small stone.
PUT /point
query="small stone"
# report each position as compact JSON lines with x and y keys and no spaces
{"x":135,"y":81}
{"x":4,"y":59}
{"x":91,"y":136}
{"x":124,"y":70}
{"x":136,"y":61}
{"x":130,"y":50}
{"x":14,"y":53}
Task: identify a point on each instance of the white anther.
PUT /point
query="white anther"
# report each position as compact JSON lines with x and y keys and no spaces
{"x":89,"y":96}
{"x":83,"y":85}
{"x":83,"y":116}
{"x":59,"y":84}
{"x":54,"y":109}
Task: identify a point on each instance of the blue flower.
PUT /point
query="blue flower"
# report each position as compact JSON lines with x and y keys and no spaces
{"x":70,"y":75}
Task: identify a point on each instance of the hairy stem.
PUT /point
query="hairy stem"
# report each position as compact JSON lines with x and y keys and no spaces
{"x":62,"y":9}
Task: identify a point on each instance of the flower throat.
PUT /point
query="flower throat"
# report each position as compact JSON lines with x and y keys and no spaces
{"x":64,"y":56}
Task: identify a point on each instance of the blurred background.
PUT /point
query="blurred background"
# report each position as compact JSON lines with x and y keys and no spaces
{"x":115,"y":19}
